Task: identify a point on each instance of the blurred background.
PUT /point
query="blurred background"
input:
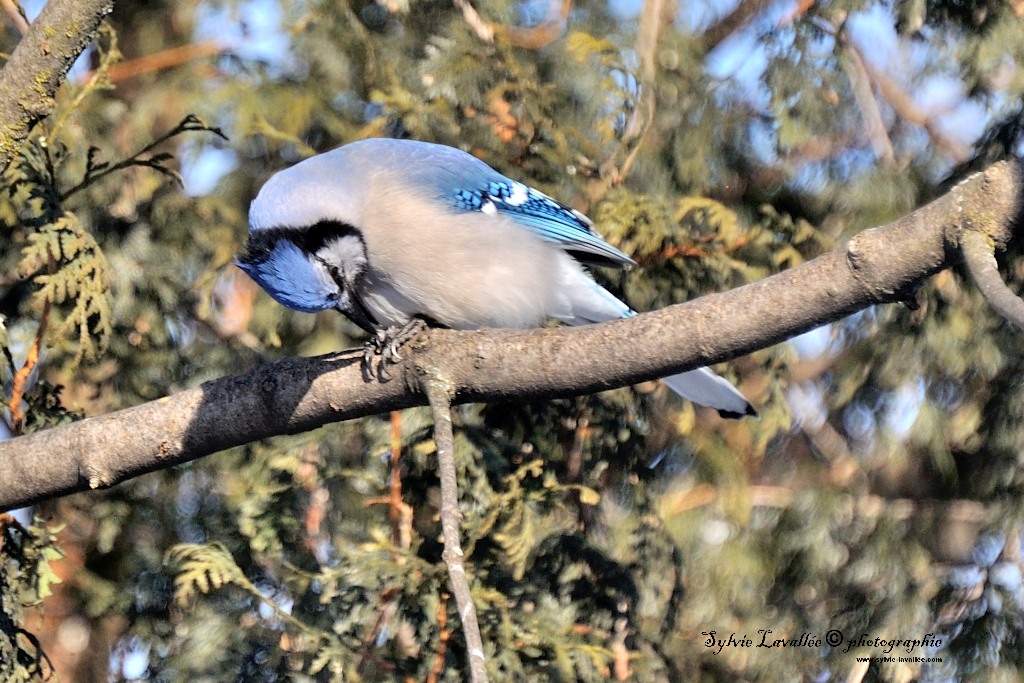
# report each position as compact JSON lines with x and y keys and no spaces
{"x":717,"y":143}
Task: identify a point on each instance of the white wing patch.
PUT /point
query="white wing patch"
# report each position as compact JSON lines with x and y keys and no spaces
{"x":520,"y":193}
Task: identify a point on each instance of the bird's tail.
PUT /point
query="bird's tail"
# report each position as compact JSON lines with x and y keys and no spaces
{"x":591,"y":303}
{"x":705,"y":388}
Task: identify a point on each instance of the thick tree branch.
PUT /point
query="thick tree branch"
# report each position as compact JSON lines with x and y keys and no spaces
{"x":35,"y":71}
{"x":298,"y":394}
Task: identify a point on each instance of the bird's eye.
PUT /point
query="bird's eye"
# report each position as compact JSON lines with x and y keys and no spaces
{"x":335,"y":273}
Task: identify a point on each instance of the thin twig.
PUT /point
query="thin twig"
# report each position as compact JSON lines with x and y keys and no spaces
{"x":440,"y":405}
{"x":5,"y":520}
{"x":387,"y":607}
{"x":309,"y":478}
{"x":18,"y":386}
{"x":979,"y":254}
{"x":399,"y":511}
{"x":648,"y":102}
{"x":908,"y":109}
{"x":620,"y":668}
{"x":801,"y":7}
{"x":14,"y":12}
{"x":782,"y":498}
{"x":483,"y":30}
{"x":868,"y":105}
{"x":651,"y":20}
{"x":164,"y":59}
{"x":536,"y":37}
{"x":732,"y":22}
{"x":442,"y":639}
{"x":857,"y":673}
{"x":532,"y":37}
{"x":96,"y":171}
{"x":574,"y":469}
{"x":400,"y":517}
{"x":574,"y":463}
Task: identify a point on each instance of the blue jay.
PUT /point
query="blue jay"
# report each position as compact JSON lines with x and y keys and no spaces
{"x":389,"y":231}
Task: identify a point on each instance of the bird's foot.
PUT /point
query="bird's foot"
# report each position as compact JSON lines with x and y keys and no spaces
{"x":387,"y":342}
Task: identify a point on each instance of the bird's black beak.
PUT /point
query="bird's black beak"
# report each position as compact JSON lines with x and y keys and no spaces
{"x":355,"y":311}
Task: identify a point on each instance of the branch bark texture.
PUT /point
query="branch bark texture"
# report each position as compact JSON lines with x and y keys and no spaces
{"x":37,"y":68}
{"x":879,"y":265}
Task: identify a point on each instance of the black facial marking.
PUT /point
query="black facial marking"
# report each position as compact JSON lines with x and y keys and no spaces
{"x":310,"y":240}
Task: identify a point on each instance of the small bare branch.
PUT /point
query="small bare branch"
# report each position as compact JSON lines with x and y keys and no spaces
{"x":801,"y":8}
{"x":442,"y":639}
{"x":95,"y":170}
{"x":651,"y":21}
{"x":536,"y":37}
{"x":532,"y":37}
{"x":979,"y":255}
{"x":483,"y":30}
{"x":164,"y":59}
{"x":909,"y":110}
{"x":19,"y":386}
{"x":16,"y":15}
{"x":744,"y":12}
{"x":857,"y":672}
{"x":868,"y":105}
{"x":438,"y":393}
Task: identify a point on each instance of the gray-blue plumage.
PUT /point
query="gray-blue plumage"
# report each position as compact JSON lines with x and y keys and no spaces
{"x":390,"y":230}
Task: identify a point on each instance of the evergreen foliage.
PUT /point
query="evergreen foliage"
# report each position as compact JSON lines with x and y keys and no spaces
{"x":606,"y":535}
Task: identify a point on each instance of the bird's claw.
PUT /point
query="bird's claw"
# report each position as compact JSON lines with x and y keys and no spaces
{"x":387,"y":342}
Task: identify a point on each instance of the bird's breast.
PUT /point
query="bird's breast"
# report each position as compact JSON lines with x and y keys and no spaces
{"x":463,"y":270}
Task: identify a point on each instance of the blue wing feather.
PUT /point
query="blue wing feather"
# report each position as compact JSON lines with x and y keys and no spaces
{"x":469,"y":184}
{"x":549,"y":218}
